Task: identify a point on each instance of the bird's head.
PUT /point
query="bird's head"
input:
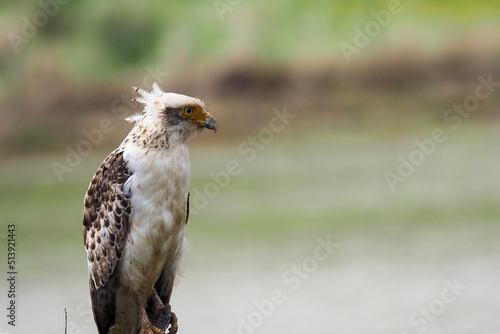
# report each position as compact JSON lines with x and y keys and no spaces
{"x":170,"y":117}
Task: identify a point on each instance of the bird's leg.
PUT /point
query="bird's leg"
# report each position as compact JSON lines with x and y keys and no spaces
{"x":160,"y":308}
{"x":161,"y":315}
{"x":146,"y":326}
{"x":174,"y":327}
{"x":157,"y":305}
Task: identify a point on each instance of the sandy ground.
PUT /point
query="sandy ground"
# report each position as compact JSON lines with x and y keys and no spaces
{"x":440,"y":281}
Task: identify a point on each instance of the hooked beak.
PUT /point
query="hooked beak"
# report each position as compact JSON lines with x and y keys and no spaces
{"x":211,"y":124}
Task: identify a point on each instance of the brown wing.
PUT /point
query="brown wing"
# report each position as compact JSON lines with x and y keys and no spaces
{"x":105,"y":227}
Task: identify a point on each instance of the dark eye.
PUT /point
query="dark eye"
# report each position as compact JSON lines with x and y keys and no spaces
{"x":188,"y":111}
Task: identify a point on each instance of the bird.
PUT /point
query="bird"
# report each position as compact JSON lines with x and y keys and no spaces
{"x":135,"y":215}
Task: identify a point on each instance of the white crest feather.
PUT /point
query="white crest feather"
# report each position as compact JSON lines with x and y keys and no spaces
{"x":133,"y":118}
{"x":157,"y":99}
{"x":156,"y":89}
{"x":149,"y":97}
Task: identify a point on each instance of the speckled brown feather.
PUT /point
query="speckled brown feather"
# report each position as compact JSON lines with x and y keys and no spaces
{"x":105,"y":227}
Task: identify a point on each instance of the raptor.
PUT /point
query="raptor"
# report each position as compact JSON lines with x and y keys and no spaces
{"x":135,"y":215}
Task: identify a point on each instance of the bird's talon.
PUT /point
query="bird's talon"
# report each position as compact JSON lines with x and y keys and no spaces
{"x":165,"y":310}
{"x":150,"y":329}
{"x":174,"y":327}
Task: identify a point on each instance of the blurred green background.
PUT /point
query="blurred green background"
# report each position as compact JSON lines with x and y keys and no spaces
{"x":329,"y":172}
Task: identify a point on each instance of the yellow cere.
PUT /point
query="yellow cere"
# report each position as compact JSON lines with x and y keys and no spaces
{"x":196,"y":114}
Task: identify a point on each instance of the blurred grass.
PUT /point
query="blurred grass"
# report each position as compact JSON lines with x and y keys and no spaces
{"x":259,"y":54}
{"x":299,"y":187}
{"x":322,"y":176}
{"x":325,"y":174}
{"x":116,"y":40}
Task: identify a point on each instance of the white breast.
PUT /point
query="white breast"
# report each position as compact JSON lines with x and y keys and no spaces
{"x":159,"y":186}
